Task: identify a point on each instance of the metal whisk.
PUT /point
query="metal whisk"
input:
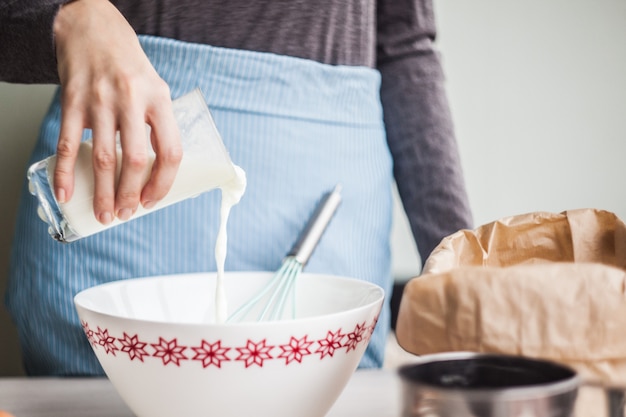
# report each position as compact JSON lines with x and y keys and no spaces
{"x":270,"y":302}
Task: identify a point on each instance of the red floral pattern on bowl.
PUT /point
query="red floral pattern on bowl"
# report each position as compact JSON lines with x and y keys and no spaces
{"x":213,"y":353}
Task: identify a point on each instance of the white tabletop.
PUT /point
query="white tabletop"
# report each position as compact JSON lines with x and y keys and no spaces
{"x":370,"y":393}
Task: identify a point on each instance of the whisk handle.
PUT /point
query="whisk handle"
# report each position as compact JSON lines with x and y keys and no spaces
{"x":311,"y":235}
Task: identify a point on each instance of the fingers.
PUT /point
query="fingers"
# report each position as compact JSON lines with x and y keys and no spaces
{"x":123,"y":182}
{"x":104,"y":166}
{"x":135,"y":164}
{"x":165,"y":138}
{"x":139,"y":181}
{"x":67,"y":151}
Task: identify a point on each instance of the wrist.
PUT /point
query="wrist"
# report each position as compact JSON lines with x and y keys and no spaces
{"x":62,"y":18}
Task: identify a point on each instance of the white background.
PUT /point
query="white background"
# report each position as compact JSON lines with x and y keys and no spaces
{"x":538,"y":96}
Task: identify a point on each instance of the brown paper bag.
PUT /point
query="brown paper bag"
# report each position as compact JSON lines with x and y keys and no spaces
{"x":543,"y":285}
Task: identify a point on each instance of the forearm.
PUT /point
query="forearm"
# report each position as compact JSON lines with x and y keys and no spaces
{"x":27,"y":53}
{"x":427,"y":168}
{"x":419,"y":125}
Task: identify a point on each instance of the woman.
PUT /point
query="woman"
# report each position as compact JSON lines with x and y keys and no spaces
{"x":305,"y":94}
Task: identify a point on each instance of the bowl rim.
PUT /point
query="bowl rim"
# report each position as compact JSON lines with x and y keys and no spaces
{"x":79,"y":304}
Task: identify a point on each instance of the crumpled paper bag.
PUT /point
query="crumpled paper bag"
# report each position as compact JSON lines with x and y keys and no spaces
{"x":542,"y":285}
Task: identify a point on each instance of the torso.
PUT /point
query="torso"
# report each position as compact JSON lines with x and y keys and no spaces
{"x":329,"y":31}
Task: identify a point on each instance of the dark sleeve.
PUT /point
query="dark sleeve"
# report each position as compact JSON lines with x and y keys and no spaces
{"x":420,"y":133}
{"x":26,"y":41}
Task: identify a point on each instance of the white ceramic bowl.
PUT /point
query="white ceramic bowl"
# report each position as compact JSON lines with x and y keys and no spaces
{"x":156,"y":340}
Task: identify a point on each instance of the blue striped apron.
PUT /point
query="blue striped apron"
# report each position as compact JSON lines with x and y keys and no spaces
{"x":297,"y":127}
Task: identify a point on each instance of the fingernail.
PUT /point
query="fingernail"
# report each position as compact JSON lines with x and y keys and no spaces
{"x":61,"y":195}
{"x":148,"y":204}
{"x":105,"y":218}
{"x":124,"y":214}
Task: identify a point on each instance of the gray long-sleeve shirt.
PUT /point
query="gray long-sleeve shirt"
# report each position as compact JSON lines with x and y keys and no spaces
{"x":394,"y":36}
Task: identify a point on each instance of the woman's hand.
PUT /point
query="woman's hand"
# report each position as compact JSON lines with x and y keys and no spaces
{"x":109,"y":85}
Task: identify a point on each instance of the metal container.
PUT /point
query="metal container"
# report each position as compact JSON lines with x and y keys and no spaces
{"x":485,"y":385}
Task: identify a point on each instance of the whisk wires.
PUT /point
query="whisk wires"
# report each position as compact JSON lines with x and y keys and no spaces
{"x":277,"y":292}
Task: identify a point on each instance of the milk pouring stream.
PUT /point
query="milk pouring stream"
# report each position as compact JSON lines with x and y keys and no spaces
{"x":205,"y":166}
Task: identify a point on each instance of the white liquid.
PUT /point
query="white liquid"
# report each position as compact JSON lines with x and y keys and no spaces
{"x":231,"y":194}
